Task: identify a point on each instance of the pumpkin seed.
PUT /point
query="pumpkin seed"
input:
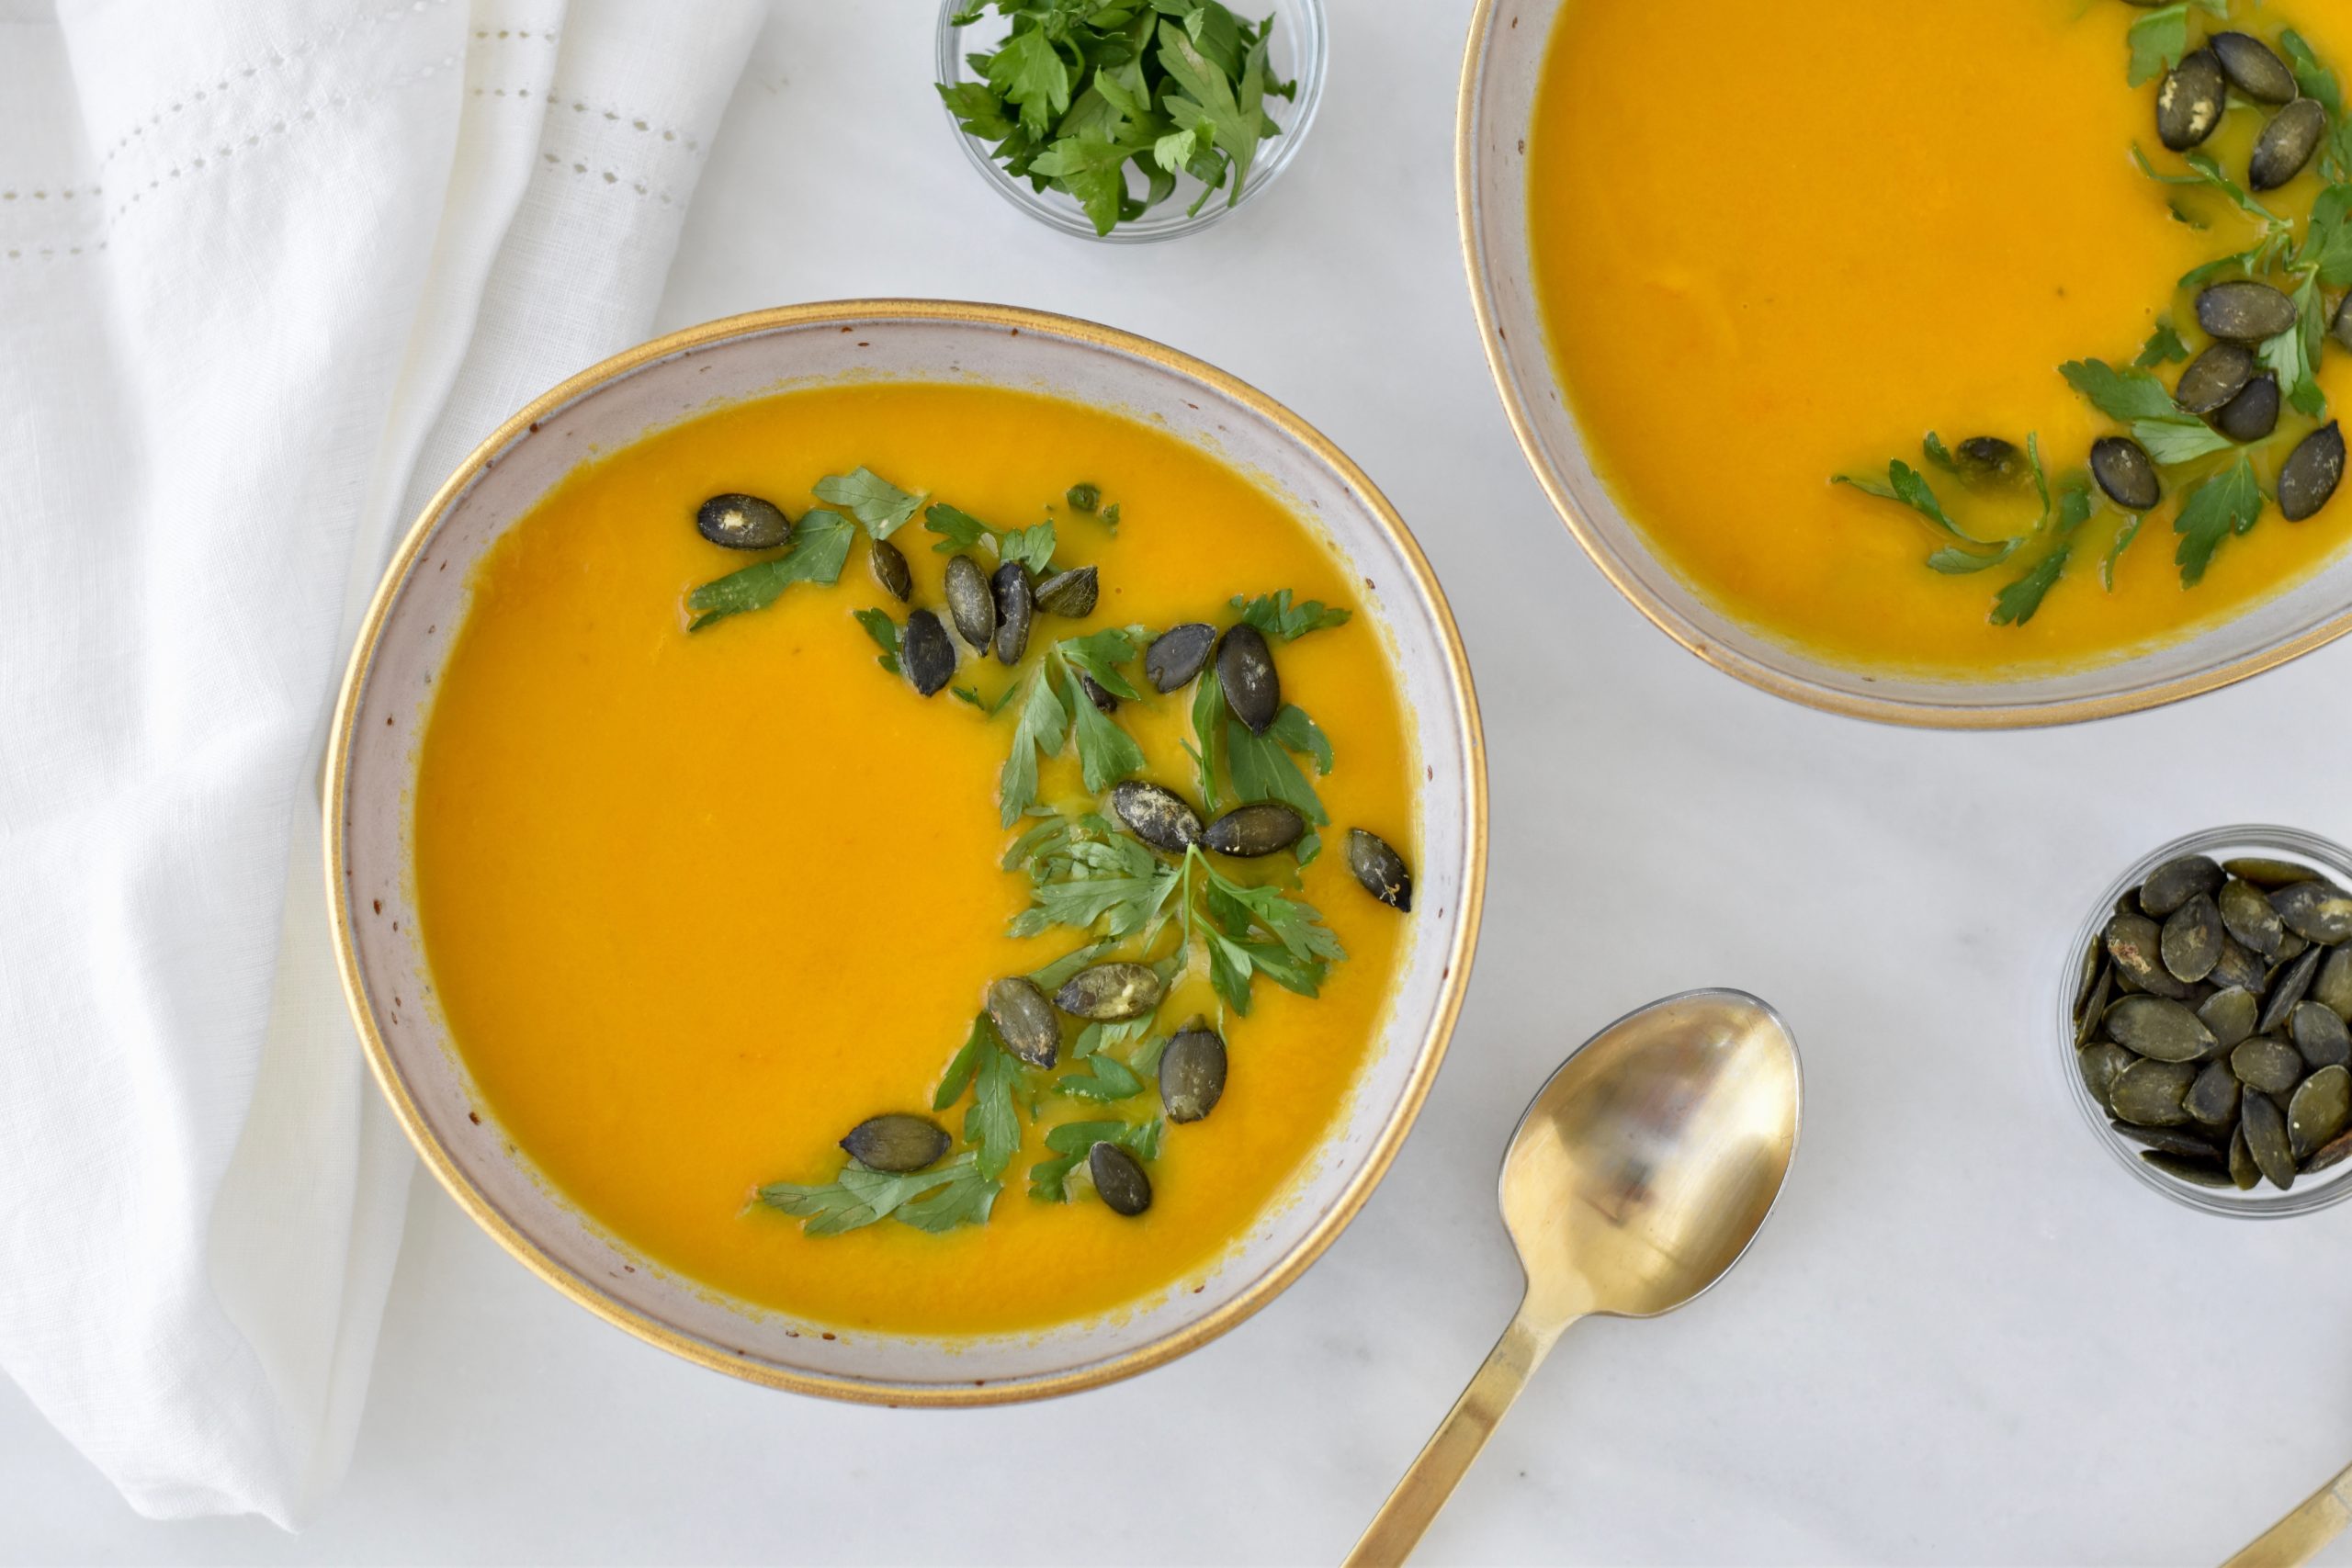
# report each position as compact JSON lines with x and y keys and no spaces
{"x":2240,"y":969}
{"x":2213,"y":1099}
{"x":2100,"y":1063}
{"x":2306,"y":481}
{"x":2191,"y":1145}
{"x":2287,"y":984}
{"x":2244,"y":1175}
{"x":1380,"y":869}
{"x":2189,"y":101}
{"x":969,"y":603}
{"x":1245,"y":667}
{"x":2176,"y":882}
{"x":1257,"y":830}
{"x":1110,"y":993}
{"x":2197,"y":1170}
{"x":1191,"y":1073}
{"x":1989,"y":461}
{"x":2268,"y":873}
{"x":2215,"y":376}
{"x":2252,"y":68}
{"x":2123,"y":469}
{"x":1160,"y":818}
{"x":2247,"y":916}
{"x":2286,"y":145}
{"x":2094,"y":964}
{"x":1016,"y":605}
{"x":2320,"y":1035}
{"x":2229,"y":1016}
{"x":1119,"y":1179}
{"x":1024,"y":1020}
{"x":2320,"y":1109}
{"x":2332,"y":986}
{"x":2244,"y":312}
{"x":2088,"y":1011}
{"x":743,"y":523}
{"x":2190,"y":943}
{"x":2264,"y":1126}
{"x":2271,"y":1065}
{"x":2159,"y":1029}
{"x":897,"y":1142}
{"x":2253,"y":415}
{"x":2150,"y":1093}
{"x":2315,"y":910}
{"x":2133,"y":942}
{"x":1070,"y":594}
{"x":889,"y":565}
{"x":1176,"y":655}
{"x":2335,"y":1152}
{"x":925,"y":653}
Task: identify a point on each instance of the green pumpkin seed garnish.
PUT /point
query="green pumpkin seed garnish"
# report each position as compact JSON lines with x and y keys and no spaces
{"x":2215,"y":377}
{"x":2160,"y":1029}
{"x":2319,"y":1034}
{"x":1381,"y":872}
{"x":2317,"y":911}
{"x":1191,"y":1073}
{"x":2133,"y":941}
{"x":2287,"y":144}
{"x":2229,"y":1015}
{"x":2149,"y":1093}
{"x":1262,"y":827}
{"x":2308,"y":479}
{"x":1178,"y":654}
{"x":2332,"y":986}
{"x":2287,"y":984}
{"x":1025,"y":1020}
{"x":1016,"y":606}
{"x":2099,"y":1062}
{"x":1119,"y":1180}
{"x":925,"y":653}
{"x":897,"y":1143}
{"x":2253,"y":415}
{"x":1070,"y":594}
{"x":889,"y":564}
{"x":2267,"y":1139}
{"x":1110,"y":993}
{"x":2246,"y":914}
{"x":2176,"y":882}
{"x":2321,"y":1105}
{"x":2244,"y":311}
{"x":1157,"y":815}
{"x":2190,"y":943}
{"x":2240,"y":968}
{"x":743,"y":523}
{"x":1245,"y":668}
{"x":2269,"y":1065}
{"x":2189,"y":102}
{"x":971,"y":605}
{"x":2213,"y":1099}
{"x":2252,"y":68}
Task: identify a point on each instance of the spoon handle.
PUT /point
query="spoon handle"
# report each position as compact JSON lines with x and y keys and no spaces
{"x":1397,"y":1527}
{"x":2298,"y":1538}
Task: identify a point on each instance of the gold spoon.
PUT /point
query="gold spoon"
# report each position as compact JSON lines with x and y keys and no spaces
{"x":1637,"y":1176}
{"x":2297,"y":1539}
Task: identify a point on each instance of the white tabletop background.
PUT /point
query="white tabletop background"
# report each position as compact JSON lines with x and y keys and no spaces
{"x":1965,"y":1335}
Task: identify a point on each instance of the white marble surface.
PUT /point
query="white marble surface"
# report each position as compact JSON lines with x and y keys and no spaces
{"x":1964,"y":1337}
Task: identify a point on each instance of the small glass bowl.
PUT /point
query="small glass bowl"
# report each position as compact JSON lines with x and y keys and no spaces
{"x":1298,"y":52}
{"x":2266,"y":1201}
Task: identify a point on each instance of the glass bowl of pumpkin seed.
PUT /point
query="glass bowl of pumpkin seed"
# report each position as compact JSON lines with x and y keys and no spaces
{"x":2205,"y":1006}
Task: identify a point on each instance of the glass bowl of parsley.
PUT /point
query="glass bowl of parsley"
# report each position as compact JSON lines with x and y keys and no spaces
{"x":1129,"y":121}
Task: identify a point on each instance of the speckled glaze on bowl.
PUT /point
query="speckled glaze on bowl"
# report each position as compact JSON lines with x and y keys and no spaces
{"x":385,"y":702}
{"x":1502,"y":71}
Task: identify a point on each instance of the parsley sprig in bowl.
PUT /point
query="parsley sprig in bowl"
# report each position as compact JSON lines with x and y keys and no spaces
{"x":1129,"y":119}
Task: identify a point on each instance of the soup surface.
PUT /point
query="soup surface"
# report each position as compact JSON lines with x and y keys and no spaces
{"x":695,"y":904}
{"x":1825,"y":235}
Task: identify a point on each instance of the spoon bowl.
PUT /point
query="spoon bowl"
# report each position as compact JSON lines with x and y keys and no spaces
{"x":1639,"y":1174}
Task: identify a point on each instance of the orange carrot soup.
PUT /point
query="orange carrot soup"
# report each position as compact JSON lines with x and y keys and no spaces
{"x":2052,"y":286}
{"x":916,"y":857}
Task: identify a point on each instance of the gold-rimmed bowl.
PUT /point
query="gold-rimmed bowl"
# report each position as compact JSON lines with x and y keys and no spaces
{"x":384,"y":704}
{"x":1502,"y":71}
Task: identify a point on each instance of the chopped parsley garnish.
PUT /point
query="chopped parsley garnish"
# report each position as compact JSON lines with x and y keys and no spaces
{"x":1080,"y":90}
{"x":819,"y":545}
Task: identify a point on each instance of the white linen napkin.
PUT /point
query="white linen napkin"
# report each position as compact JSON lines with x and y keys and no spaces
{"x":268,"y":269}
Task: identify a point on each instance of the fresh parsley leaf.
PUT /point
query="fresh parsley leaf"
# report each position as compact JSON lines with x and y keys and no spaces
{"x":1073,"y":1141}
{"x":1301,"y":734}
{"x":1263,"y":770}
{"x":1043,"y":726}
{"x":957,"y":529}
{"x":2294,"y":354}
{"x":859,"y":1197}
{"x":964,"y":1063}
{"x":2181,"y":440}
{"x":2228,"y":502}
{"x":2317,"y":80}
{"x":1092,"y":168}
{"x":965,"y":1199}
{"x":1106,"y":753}
{"x":991,"y":708}
{"x":1050,"y":978}
{"x":1083,"y":874}
{"x":1033,"y":546}
{"x":2327,"y":243}
{"x":2016,"y":605}
{"x":882,"y":506}
{"x":1276,"y":616}
{"x":885,"y":633}
{"x":1082,"y":497}
{"x":2208,"y":172}
{"x":1107,"y":1078}
{"x":978,"y":110}
{"x":1208,"y":103}
{"x":1939,"y":454}
{"x":1029,"y":73}
{"x":992,"y":1126}
{"x":2159,"y":38}
{"x":2164,"y":347}
{"x":2122,"y":542}
{"x":1096,"y":1037}
{"x":2125,"y":395}
{"x":819,"y":545}
{"x":1206,"y":746}
{"x":1100,"y":654}
{"x":1111,"y":517}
